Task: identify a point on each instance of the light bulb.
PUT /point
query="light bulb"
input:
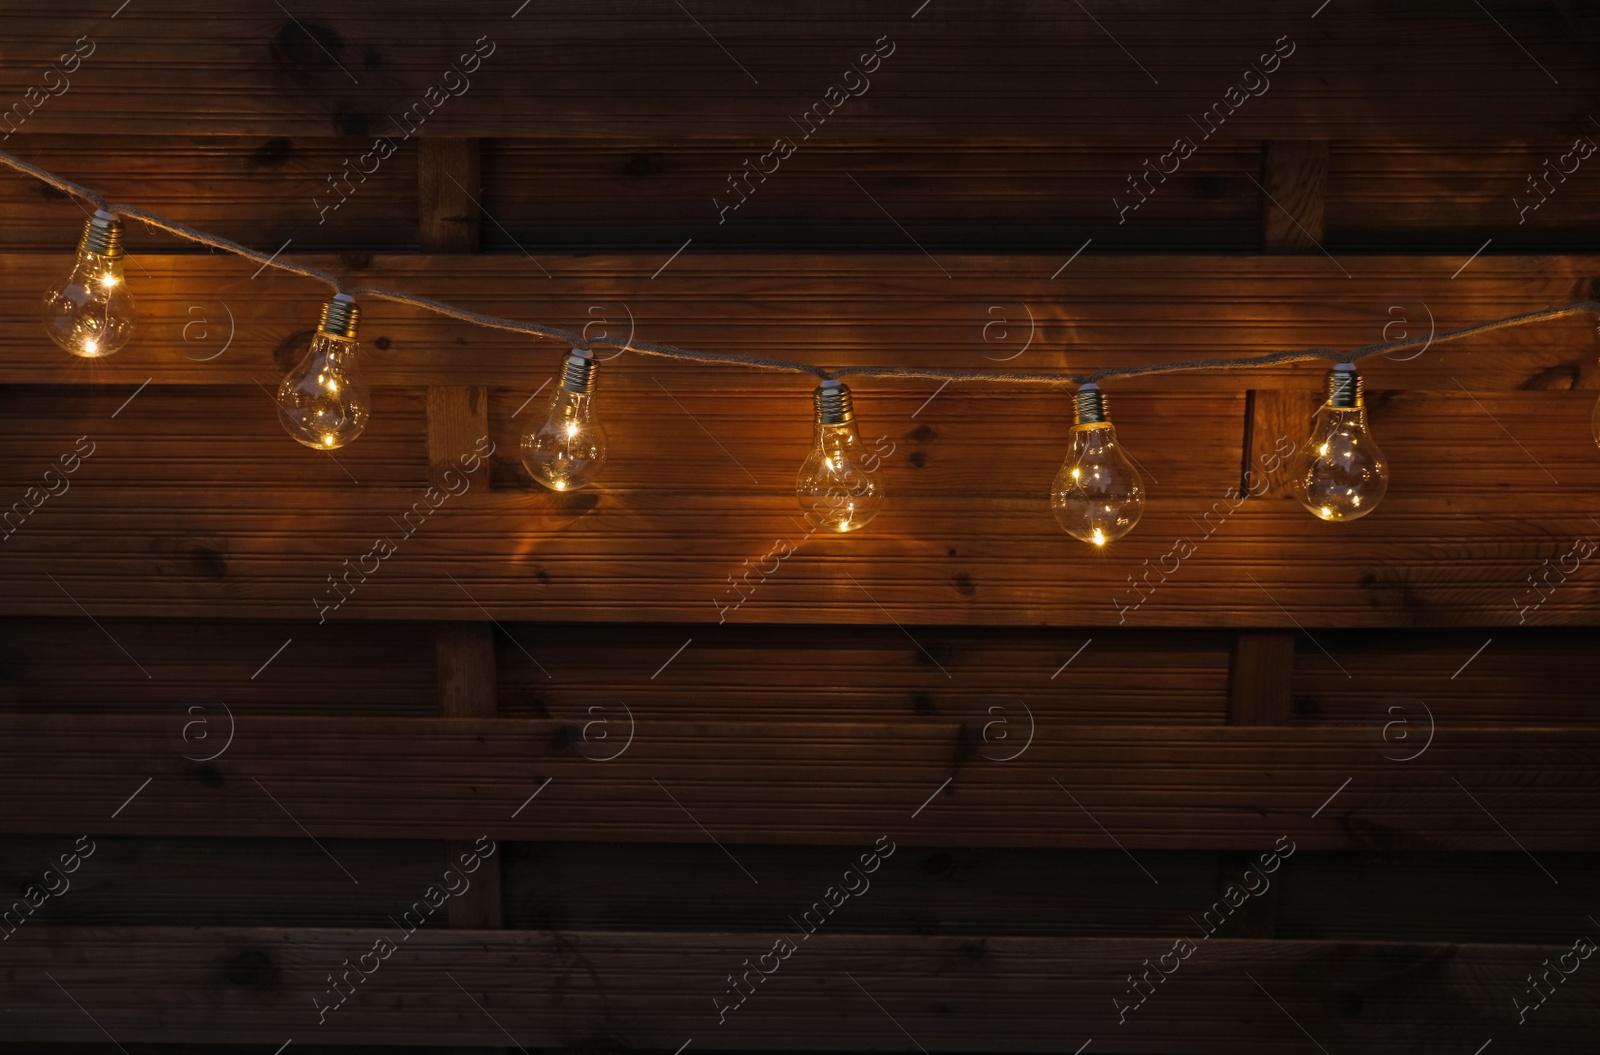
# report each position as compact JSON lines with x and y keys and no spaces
{"x":324,"y":401}
{"x":1097,"y":496}
{"x":838,"y":485}
{"x":1340,"y":474}
{"x":91,"y":313}
{"x":566,"y":451}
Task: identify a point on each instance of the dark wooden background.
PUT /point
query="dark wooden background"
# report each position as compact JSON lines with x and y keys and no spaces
{"x":670,"y":780}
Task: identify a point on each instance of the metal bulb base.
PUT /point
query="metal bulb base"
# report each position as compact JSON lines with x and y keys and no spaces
{"x":1345,"y":389}
{"x":578,"y":371}
{"x":833,"y":402}
{"x":102,"y":235}
{"x":1090,"y":405}
{"x":339,"y":318}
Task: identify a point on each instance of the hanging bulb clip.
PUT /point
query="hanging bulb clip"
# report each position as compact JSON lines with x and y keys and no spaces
{"x":1090,"y":405}
{"x":1344,"y":387}
{"x":578,"y":371}
{"x":339,"y":318}
{"x":834,"y":405}
{"x":102,"y":235}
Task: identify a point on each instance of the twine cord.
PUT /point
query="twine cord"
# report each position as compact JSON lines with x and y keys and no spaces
{"x":577,"y":340}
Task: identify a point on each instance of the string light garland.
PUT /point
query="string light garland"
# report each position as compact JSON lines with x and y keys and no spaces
{"x":1339,"y":472}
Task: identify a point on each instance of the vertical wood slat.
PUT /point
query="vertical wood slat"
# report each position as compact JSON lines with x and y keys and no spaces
{"x":449,"y":178}
{"x":1260,"y":682}
{"x":1294,"y":179}
{"x":467,"y":690}
{"x":1261,"y":674}
{"x":458,"y":415}
{"x":1294,"y":193}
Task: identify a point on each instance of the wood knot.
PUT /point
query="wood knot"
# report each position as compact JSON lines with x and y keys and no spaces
{"x":271,"y":154}
{"x":206,"y":561}
{"x":291,"y":350}
{"x":638,"y":165}
{"x":251,"y":969}
{"x":964,"y":586}
{"x":209,"y":776}
{"x":1563,"y":377}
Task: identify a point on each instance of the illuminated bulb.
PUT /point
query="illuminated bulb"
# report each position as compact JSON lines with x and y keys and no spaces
{"x":1097,"y":496}
{"x":566,"y":451}
{"x":91,"y":313}
{"x":1340,"y":474}
{"x":838,"y":486}
{"x":324,"y":401}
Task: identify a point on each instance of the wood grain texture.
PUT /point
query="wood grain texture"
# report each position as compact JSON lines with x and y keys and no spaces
{"x":990,"y":559}
{"x":253,"y":667}
{"x":1261,"y":679}
{"x":1204,"y":787}
{"x":652,"y":991}
{"x":458,"y":417}
{"x":449,"y":179}
{"x":1027,"y":71}
{"x":1294,"y":194}
{"x":960,"y":195}
{"x":842,"y":310}
{"x":944,"y":890}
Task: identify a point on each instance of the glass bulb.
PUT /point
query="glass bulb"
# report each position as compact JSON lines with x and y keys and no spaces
{"x":838,"y":485}
{"x":91,"y":313}
{"x":1340,"y":474}
{"x":568,"y":449}
{"x":1097,"y":496}
{"x":324,"y":401}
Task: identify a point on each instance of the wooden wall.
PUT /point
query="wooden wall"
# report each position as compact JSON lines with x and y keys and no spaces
{"x":675,"y":743}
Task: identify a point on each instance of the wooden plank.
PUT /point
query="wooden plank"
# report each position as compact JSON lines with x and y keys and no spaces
{"x":929,"y":890}
{"x":225,"y":667}
{"x":843,"y":309}
{"x":458,"y":420}
{"x":861,"y":674}
{"x":945,"y":890}
{"x":466,"y":670}
{"x":1533,"y":190}
{"x":217,"y":881}
{"x":1261,"y":680}
{"x":467,"y":690}
{"x":448,"y":182}
{"x":1034,"y":74}
{"x":654,"y":991}
{"x":1203,"y":787}
{"x":1106,"y":675}
{"x":178,"y":435}
{"x":648,"y":555}
{"x":1294,"y":191}
{"x":925,"y":890}
{"x":1402,"y":689}
{"x":583,"y":194}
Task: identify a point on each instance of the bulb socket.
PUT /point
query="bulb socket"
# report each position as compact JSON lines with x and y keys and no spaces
{"x":1344,"y":388}
{"x":1090,"y":405}
{"x":578,"y":371}
{"x":339,"y":318}
{"x":834,"y":406}
{"x":102,"y":235}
